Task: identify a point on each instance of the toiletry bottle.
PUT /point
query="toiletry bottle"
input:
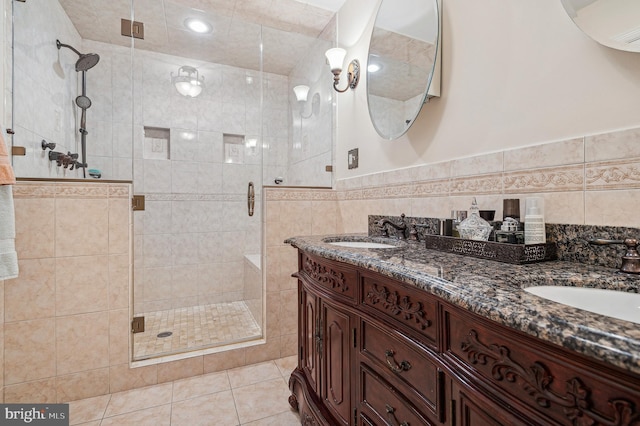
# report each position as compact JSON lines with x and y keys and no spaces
{"x":454,"y":224}
{"x":534,"y":230}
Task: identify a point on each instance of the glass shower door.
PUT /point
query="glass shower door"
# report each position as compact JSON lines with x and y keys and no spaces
{"x":197,"y":273}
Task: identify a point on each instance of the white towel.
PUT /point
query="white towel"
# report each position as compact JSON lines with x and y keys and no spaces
{"x":7,"y":177}
{"x":8,"y":255}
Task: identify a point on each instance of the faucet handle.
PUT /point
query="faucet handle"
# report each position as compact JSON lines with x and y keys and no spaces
{"x":413,"y":233}
{"x":383,"y":228}
{"x":631,"y":258}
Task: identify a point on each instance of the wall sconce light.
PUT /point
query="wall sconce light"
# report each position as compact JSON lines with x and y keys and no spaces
{"x":302,"y":95}
{"x":335,"y":57}
{"x":188,"y":82}
{"x":301,"y":92}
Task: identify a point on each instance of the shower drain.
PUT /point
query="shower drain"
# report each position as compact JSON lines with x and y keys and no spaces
{"x":165,"y":334}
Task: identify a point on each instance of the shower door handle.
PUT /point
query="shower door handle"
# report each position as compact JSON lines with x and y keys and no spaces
{"x":251,"y":199}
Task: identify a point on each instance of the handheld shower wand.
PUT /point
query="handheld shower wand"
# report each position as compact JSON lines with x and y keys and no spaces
{"x":85,"y":62}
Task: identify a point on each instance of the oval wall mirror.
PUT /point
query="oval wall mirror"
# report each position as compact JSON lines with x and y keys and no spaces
{"x":402,"y":57}
{"x":613,"y":23}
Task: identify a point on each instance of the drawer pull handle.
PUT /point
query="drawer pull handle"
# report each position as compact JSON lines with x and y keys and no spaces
{"x":391,"y":417}
{"x":393,"y":365}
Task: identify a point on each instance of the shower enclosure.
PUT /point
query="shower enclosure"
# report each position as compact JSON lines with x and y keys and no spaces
{"x":198,"y":280}
{"x":207,"y":145}
{"x":199,"y":123}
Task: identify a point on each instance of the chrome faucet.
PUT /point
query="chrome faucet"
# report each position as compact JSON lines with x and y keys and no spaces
{"x":630,"y":259}
{"x":400,"y":226}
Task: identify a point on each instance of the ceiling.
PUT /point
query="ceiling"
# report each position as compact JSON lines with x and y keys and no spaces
{"x":288,"y":28}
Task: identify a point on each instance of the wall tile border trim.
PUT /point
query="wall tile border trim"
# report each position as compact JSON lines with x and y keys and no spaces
{"x":616,"y":173}
{"x":555,"y":179}
{"x":66,"y":190}
{"x":613,"y":175}
{"x":296,"y":194}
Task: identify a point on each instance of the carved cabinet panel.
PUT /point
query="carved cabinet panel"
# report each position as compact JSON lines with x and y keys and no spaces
{"x":412,"y":309}
{"x":548,"y":385}
{"x":338,"y":279}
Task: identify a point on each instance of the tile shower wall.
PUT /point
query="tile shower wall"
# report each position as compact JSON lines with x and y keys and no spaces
{"x":45,"y":109}
{"x":47,"y":86}
{"x":193,"y":235}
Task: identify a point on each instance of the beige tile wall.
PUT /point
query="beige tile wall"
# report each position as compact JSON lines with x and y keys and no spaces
{"x":66,"y":330}
{"x":592,"y":180}
{"x":66,"y":316}
{"x":291,"y":212}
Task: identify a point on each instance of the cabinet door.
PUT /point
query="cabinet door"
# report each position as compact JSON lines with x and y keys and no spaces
{"x":336,"y":372}
{"x":310,"y":337}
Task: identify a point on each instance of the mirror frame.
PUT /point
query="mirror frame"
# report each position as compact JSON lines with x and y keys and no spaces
{"x":430,"y":69}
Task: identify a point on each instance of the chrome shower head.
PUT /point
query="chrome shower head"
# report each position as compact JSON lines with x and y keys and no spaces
{"x":85,"y":61}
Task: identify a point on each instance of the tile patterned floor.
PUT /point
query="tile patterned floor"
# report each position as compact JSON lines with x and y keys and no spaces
{"x":255,"y":395}
{"x":194,"y":327}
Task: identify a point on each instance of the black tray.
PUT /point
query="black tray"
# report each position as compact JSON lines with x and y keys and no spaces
{"x":501,"y":252}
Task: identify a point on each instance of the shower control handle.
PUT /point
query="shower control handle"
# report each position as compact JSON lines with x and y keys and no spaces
{"x":45,"y":145}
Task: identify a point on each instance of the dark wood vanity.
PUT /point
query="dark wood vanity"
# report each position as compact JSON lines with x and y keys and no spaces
{"x":376,"y":351}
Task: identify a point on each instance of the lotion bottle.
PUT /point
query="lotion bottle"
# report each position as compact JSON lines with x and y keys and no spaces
{"x":534,"y":229}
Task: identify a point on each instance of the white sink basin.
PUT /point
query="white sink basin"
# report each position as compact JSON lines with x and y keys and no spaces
{"x":616,"y":304}
{"x":361,"y":244}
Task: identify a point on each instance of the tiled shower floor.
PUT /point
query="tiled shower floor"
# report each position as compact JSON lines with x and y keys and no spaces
{"x":194,"y":327}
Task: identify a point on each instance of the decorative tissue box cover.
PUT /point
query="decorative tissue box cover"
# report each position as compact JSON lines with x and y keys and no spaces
{"x":500,"y":252}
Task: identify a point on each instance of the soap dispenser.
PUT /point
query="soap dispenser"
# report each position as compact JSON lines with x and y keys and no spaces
{"x":534,"y":228}
{"x":474,"y":227}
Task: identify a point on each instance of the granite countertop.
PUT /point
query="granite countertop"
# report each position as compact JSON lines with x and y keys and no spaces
{"x":495,"y":291}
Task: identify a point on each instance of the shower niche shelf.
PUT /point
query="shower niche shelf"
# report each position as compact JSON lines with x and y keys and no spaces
{"x":156,"y":143}
{"x":233,"y":148}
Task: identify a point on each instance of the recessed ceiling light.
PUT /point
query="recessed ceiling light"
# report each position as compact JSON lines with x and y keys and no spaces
{"x":198,"y":25}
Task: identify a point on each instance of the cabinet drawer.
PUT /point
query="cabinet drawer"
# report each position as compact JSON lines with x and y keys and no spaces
{"x":380,"y":403}
{"x":407,"y":307}
{"x":336,"y":278}
{"x":547,"y":383}
{"x":407,"y":365}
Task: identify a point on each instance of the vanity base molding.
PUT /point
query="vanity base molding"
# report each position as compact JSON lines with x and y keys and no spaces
{"x":376,"y":351}
{"x":303,"y":401}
